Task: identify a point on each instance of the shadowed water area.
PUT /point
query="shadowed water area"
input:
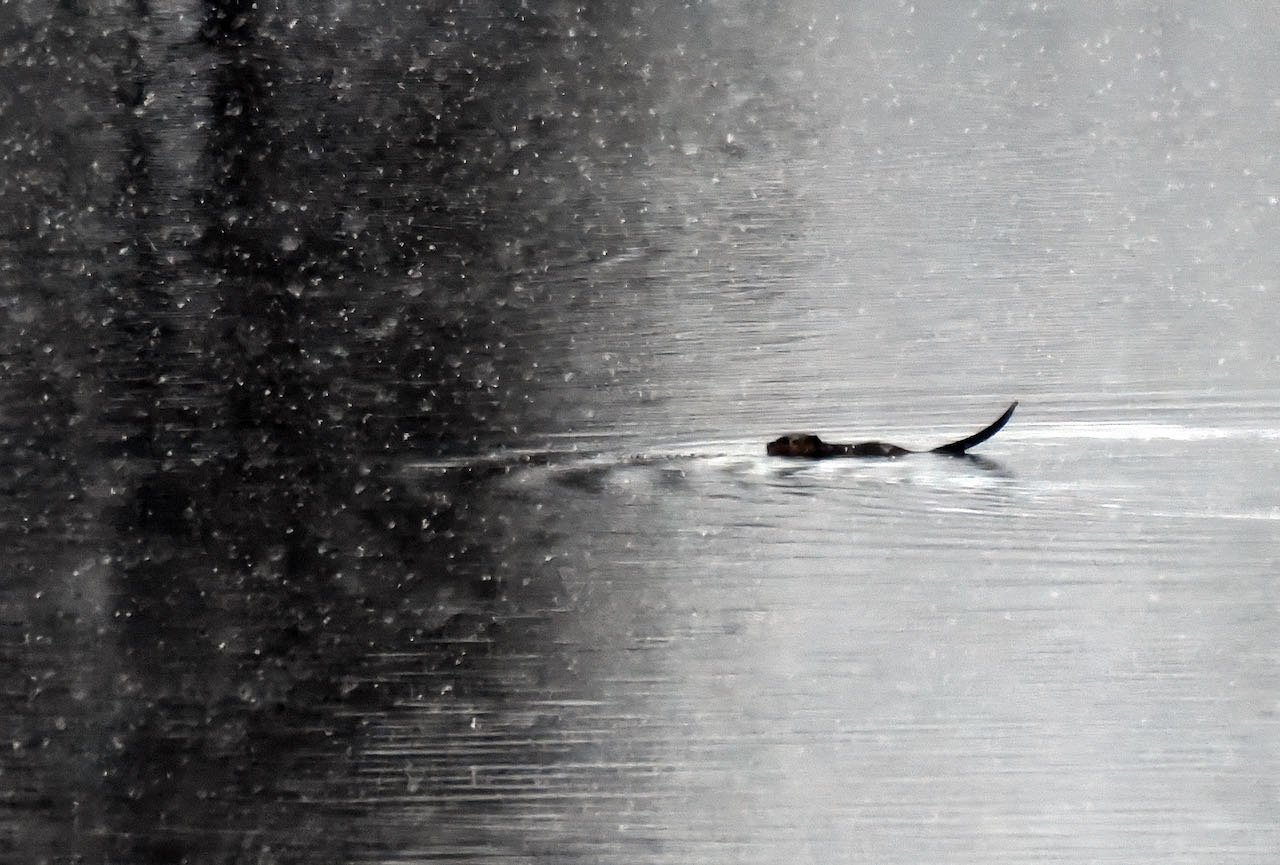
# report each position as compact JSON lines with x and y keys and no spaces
{"x":384,"y":394}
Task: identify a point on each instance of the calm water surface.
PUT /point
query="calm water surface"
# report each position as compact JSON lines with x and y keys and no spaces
{"x":383,"y":405}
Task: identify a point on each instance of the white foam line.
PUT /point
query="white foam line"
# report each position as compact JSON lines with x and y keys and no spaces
{"x":1141,"y":431}
{"x":1255,"y":516}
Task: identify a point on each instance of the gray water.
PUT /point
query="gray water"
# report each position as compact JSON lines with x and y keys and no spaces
{"x":383,"y":402}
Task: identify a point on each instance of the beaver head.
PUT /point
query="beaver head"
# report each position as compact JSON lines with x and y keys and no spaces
{"x":798,"y":445}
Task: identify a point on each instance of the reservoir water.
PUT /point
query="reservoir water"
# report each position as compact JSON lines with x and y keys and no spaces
{"x":383,"y":402}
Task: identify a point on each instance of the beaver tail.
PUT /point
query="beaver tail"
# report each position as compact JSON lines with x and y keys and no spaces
{"x":958,"y":448}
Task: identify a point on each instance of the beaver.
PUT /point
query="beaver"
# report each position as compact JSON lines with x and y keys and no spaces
{"x":809,"y":446}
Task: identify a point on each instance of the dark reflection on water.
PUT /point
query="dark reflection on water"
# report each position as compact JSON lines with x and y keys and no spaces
{"x":249,"y":292}
{"x":380,"y":424}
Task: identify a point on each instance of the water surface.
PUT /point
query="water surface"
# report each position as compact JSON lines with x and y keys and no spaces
{"x":384,"y":402}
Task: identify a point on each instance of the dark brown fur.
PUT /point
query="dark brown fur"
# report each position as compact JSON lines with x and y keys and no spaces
{"x":809,"y":446}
